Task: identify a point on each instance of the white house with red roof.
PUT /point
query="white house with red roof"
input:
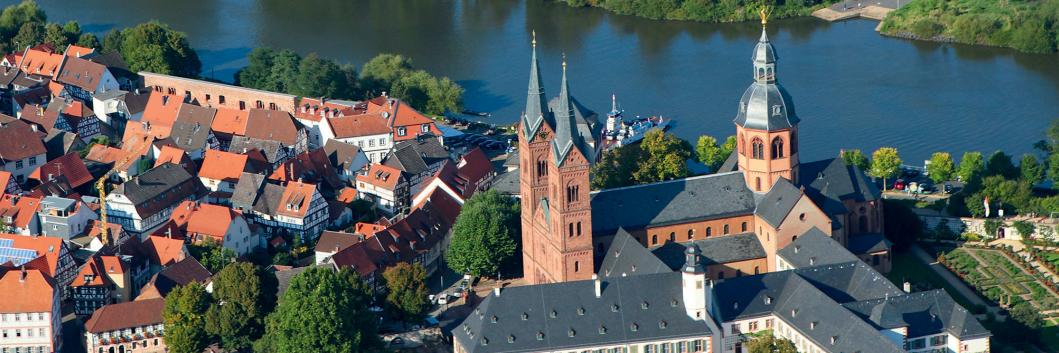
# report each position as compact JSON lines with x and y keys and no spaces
{"x":135,"y":326}
{"x":30,"y":316}
{"x":369,"y":132}
{"x":312,"y":112}
{"x":21,"y":150}
{"x":384,"y":186}
{"x":199,"y":222}
{"x":296,"y":208}
{"x":220,"y":170}
{"x":47,"y":254}
{"x":83,"y":78}
{"x":405,"y":121}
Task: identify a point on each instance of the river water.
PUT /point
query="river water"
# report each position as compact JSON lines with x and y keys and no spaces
{"x":853,"y":88}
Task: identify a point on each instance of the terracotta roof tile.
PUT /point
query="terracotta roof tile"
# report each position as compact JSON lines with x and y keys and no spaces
{"x":18,"y":141}
{"x":69,"y":166}
{"x":204,"y":219}
{"x":230,"y":121}
{"x":381,"y":176}
{"x":93,"y":270}
{"x":78,"y":51}
{"x":272,"y":125}
{"x":47,"y":249}
{"x":128,"y":315}
{"x":359,"y":125}
{"x":81,"y":73}
{"x":33,"y":294}
{"x":164,"y":251}
{"x":220,"y":165}
{"x":162,"y":109}
{"x":41,"y":62}
{"x":298,"y":197}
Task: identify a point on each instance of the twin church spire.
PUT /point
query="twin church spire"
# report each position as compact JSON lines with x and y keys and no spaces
{"x":562,"y":118}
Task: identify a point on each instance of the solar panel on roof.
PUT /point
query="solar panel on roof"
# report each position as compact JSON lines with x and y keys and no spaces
{"x":6,"y":243}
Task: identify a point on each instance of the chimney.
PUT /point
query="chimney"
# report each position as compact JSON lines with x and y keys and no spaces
{"x":496,"y":291}
{"x":33,"y":126}
{"x":908,"y":287}
{"x":598,"y":285}
{"x":22,"y":276}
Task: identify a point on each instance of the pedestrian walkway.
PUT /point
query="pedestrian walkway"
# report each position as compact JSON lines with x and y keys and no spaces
{"x":955,"y":282}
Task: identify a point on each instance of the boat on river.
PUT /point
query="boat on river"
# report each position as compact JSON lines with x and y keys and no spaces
{"x":620,"y":132}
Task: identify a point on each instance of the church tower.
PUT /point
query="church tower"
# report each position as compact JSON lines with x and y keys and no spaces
{"x":534,"y":144}
{"x":766,"y":124}
{"x":570,"y":222}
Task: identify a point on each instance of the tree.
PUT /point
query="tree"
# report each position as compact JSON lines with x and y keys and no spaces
{"x":885,"y":164}
{"x":258,"y":68}
{"x":53,"y":34}
{"x":1026,"y":314}
{"x":769,"y":343}
{"x":971,"y":167}
{"x":184,"y":319}
{"x":406,"y":295}
{"x":900,"y":225}
{"x":213,"y":256}
{"x":245,"y":294}
{"x":14,"y":18}
{"x":112,"y":41}
{"x":483,"y":238}
{"x":1025,"y":229}
{"x":445,"y":96}
{"x":1000,"y":164}
{"x":615,"y":168}
{"x":855,"y":158}
{"x":1030,"y":169}
{"x":154,"y":47}
{"x":379,"y":73}
{"x":322,"y":311}
{"x":664,"y":157}
{"x":729,"y":145}
{"x":31,"y":33}
{"x":709,"y":152}
{"x":89,"y":40}
{"x":940,"y":167}
{"x":319,"y":78}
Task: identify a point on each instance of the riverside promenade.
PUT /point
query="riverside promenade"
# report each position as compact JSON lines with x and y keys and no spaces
{"x":874,"y":9}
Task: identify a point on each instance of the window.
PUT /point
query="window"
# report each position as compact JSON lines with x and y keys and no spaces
{"x":672,"y":236}
{"x":654,"y":239}
{"x":259,"y":105}
{"x":402,"y":131}
{"x":18,"y":164}
{"x":570,"y":233}
{"x":207,"y":97}
{"x":242,"y":105}
{"x":709,"y":231}
{"x":726,"y":229}
{"x":382,"y":141}
{"x":743,"y":228}
{"x":371,"y":143}
{"x":757,"y":184}
{"x":425,"y":127}
{"x":577,"y":266}
{"x":220,"y":99}
{"x":172,"y":90}
{"x":875,"y":260}
{"x":33,"y":160}
{"x":757,"y":270}
{"x":753,"y":326}
{"x":777,"y":148}
{"x":691,"y":233}
{"x":272,"y":106}
{"x":758,"y":148}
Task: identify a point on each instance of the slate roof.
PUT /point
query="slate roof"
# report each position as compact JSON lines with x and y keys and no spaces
{"x":713,"y":250}
{"x":246,"y":190}
{"x":828,"y":182}
{"x":923,"y":313}
{"x":671,"y":202}
{"x":160,"y":187}
{"x":179,"y":274}
{"x":344,"y":155}
{"x":415,"y":156}
{"x":652,"y":303}
{"x":868,"y":243}
{"x":851,"y":281}
{"x":814,"y":248}
{"x":507,"y":183}
{"x":19,"y":141}
{"x":778,"y":202}
{"x":284,"y":277}
{"x":191,"y":130}
{"x":626,"y":256}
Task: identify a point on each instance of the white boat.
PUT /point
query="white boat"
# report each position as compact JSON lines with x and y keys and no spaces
{"x":620,"y":132}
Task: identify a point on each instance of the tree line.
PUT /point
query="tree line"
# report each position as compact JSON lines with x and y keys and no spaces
{"x":1029,"y":26}
{"x":322,"y":310}
{"x":703,"y":10}
{"x":312,"y":76}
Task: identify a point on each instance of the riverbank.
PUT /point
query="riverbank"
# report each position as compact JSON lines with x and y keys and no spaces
{"x":709,"y":12}
{"x":1028,"y":26}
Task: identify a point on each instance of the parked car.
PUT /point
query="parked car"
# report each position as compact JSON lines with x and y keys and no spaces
{"x":947,"y":188}
{"x":443,"y":298}
{"x":926,"y":188}
{"x":899,"y":184}
{"x":397,"y":342}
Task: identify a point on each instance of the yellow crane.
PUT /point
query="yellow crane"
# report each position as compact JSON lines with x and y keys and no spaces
{"x":101,"y":185}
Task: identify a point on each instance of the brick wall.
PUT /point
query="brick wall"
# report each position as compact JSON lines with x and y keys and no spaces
{"x":218,"y":94}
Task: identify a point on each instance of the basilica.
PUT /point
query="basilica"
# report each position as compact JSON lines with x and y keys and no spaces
{"x":705,"y":263}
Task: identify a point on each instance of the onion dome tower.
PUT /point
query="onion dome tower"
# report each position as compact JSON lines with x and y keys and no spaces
{"x":766,"y":124}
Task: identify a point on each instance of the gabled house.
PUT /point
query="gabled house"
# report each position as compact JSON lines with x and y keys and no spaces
{"x":311,"y":167}
{"x":221,"y":171}
{"x":384,"y":186}
{"x":227,"y":124}
{"x":175,"y":155}
{"x":142,"y":204}
{"x":461,"y":180}
{"x":66,"y":173}
{"x":49,"y":255}
{"x":347,"y":158}
{"x":405,"y":122}
{"x":200,"y":222}
{"x":191,"y":130}
{"x":32,"y":295}
{"x":369,"y":132}
{"x":102,"y":280}
{"x":40,"y":61}
{"x":418,"y":158}
{"x":18,"y":214}
{"x":297,"y":208}
{"x":116,"y":107}
{"x":135,"y":324}
{"x":312,"y":112}
{"x":63,"y":114}
{"x":21,"y":150}
{"x":84,"y":78}
{"x":279,"y":126}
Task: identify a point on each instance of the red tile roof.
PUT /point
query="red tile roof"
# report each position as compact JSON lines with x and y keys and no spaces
{"x":313,"y":110}
{"x":360,"y":258}
{"x":381,"y":176}
{"x":93,"y":270}
{"x":298,"y":196}
{"x":272,"y":125}
{"x":21,"y":209}
{"x":220,"y":165}
{"x":165,"y":251}
{"x":19,"y":141}
{"x":47,"y":249}
{"x":204,"y":219}
{"x":81,"y":73}
{"x":310,"y":166}
{"x":41,"y":62}
{"x":128,"y":315}
{"x":230,"y":121}
{"x":359,"y":125}
{"x":401,"y":114}
{"x":162,"y":109}
{"x":78,"y":51}
{"x":70,"y":166}
{"x":33,"y":294}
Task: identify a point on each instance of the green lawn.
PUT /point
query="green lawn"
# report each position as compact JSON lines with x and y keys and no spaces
{"x":906,"y":267}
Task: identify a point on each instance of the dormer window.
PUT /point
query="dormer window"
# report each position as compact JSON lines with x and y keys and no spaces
{"x":553,"y":314}
{"x":525,"y":316}
{"x":602,"y":330}
{"x":644,"y":305}
{"x":540,"y":336}
{"x":634,"y":327}
{"x":511,"y":339}
{"x":581,"y":311}
{"x":402,"y":131}
{"x":493,"y":319}
{"x":662,"y":324}
{"x":768,"y":300}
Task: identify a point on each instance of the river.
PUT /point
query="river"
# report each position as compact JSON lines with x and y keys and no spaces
{"x":853,"y":88}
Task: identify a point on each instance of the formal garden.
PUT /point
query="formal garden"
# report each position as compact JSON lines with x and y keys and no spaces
{"x":998,"y":277}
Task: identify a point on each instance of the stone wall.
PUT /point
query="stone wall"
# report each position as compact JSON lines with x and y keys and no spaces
{"x":213,"y":94}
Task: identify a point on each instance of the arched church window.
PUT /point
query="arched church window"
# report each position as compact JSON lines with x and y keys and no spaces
{"x":691,"y":233}
{"x":794,"y":142}
{"x":577,"y":266}
{"x":654,"y":239}
{"x":570,"y":232}
{"x":743,"y":227}
{"x":777,"y":148}
{"x":758,"y":148}
{"x":672,"y":236}
{"x":726,"y":229}
{"x":757,"y":184}
{"x":578,"y":228}
{"x":709,"y":231}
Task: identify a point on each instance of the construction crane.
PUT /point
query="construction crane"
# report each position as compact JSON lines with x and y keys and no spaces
{"x":101,"y":185}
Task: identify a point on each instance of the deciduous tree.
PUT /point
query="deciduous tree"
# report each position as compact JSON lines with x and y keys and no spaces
{"x":1030,"y":169}
{"x":154,"y":47}
{"x":184,"y":318}
{"x":940,"y":167}
{"x":769,"y":343}
{"x":885,"y":164}
{"x":483,"y":238}
{"x":1000,"y":164}
{"x":709,"y":152}
{"x":856,"y":158}
{"x":972,"y":165}
{"x":322,"y":311}
{"x":406,"y":296}
{"x":245,"y":294}
{"x":14,"y":18}
{"x":615,"y":168}
{"x":664,"y":157}
{"x":211,"y":255}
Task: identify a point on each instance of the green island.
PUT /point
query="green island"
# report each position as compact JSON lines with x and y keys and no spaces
{"x":1028,"y":26}
{"x":703,"y":10}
